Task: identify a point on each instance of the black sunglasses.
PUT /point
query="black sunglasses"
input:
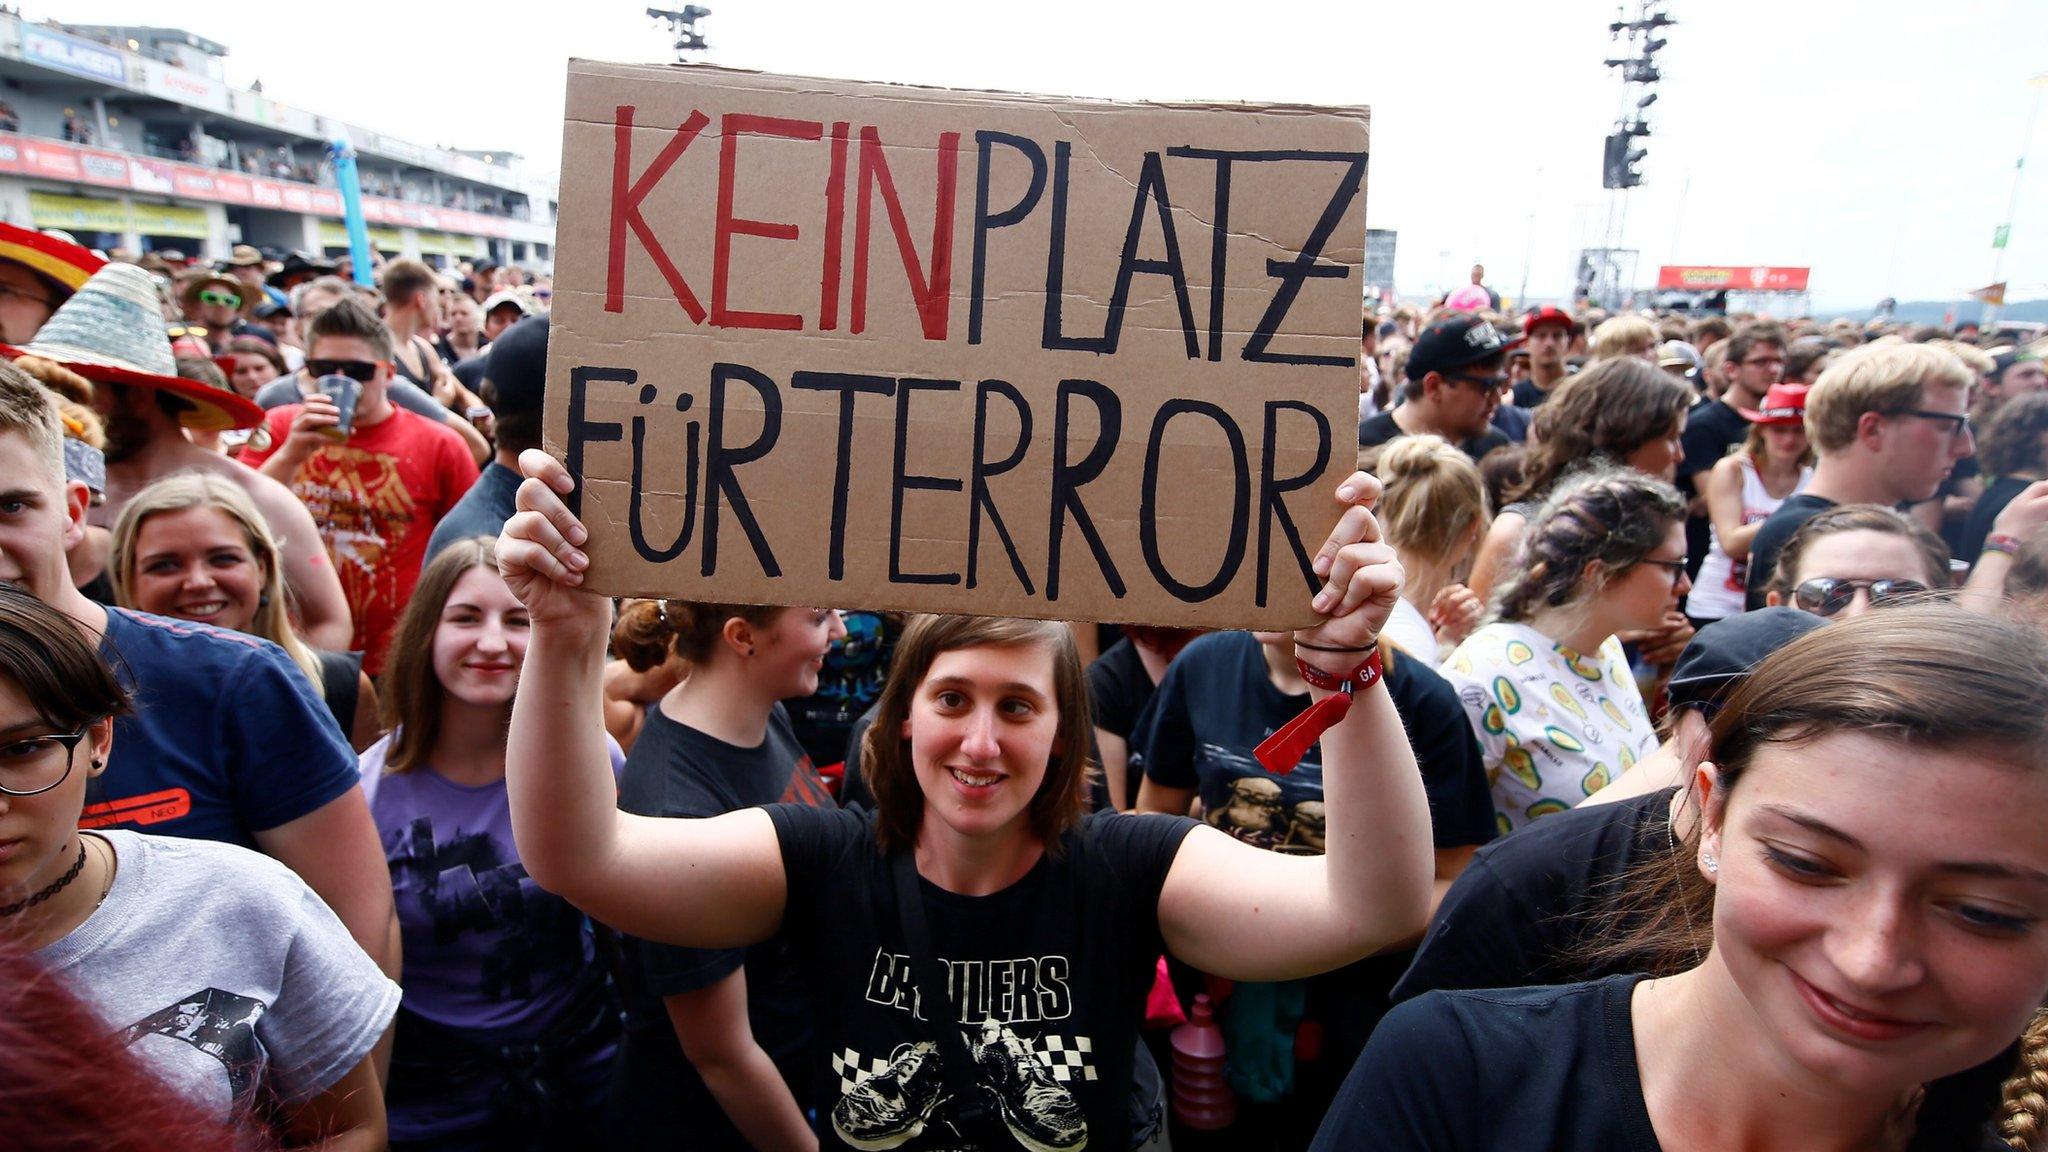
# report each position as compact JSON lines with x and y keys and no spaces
{"x":1825,"y":595}
{"x":1493,"y":383}
{"x":361,"y":371}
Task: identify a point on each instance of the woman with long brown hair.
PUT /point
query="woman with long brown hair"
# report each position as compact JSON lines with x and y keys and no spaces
{"x":1052,"y":922}
{"x":1844,"y":950}
{"x":506,"y":1034}
{"x":1619,"y":411}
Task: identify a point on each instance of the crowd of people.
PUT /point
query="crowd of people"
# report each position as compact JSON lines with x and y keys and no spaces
{"x":1664,"y":770}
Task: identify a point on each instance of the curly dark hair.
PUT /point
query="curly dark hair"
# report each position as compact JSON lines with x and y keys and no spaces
{"x":1603,"y":413}
{"x":1610,"y":514}
{"x":2012,"y":444}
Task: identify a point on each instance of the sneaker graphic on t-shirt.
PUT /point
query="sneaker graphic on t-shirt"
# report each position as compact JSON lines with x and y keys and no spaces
{"x":1036,"y":1108}
{"x":890,"y":1105}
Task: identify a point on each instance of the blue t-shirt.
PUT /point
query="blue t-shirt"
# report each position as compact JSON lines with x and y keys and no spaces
{"x":227,"y":738}
{"x":482,"y":511}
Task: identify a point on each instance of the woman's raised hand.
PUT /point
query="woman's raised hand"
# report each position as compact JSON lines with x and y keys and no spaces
{"x":1361,"y":579}
{"x":540,"y":551}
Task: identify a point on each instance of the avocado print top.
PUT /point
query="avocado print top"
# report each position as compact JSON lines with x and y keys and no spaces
{"x":1554,"y":725}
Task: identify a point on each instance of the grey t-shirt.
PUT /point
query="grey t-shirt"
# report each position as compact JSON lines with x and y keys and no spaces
{"x":225,"y":972}
{"x":404,"y":393}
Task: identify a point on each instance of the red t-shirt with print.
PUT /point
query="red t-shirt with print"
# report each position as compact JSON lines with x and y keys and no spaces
{"x":376,"y":499}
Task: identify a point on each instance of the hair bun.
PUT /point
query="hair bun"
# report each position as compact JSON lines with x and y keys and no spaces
{"x":644,"y":634}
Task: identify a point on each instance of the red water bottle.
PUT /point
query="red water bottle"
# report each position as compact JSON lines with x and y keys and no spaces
{"x":1202,"y":1099}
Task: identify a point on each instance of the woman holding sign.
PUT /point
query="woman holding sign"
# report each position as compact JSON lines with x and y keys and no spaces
{"x":981,"y":950}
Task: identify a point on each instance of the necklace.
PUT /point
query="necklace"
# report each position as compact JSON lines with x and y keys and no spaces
{"x":106,"y":889}
{"x":55,"y":886}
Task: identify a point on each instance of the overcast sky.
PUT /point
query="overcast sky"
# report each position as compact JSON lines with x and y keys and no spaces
{"x":1874,"y":141}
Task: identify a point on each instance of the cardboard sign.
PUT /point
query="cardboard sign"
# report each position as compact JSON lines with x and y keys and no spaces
{"x":860,"y":345}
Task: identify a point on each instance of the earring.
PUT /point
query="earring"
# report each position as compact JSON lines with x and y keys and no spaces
{"x":1713,"y":865}
{"x":750,"y":649}
{"x":98,"y":764}
{"x":263,"y":600}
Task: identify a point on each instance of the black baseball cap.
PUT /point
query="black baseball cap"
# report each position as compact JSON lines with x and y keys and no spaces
{"x":1725,"y":651}
{"x":2005,"y":358}
{"x":517,"y":366}
{"x":1455,"y":341}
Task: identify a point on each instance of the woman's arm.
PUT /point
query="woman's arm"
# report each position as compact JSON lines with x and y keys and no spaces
{"x":1724,"y":508}
{"x":712,"y":1025}
{"x":347,"y":1117}
{"x":1244,"y":913}
{"x":2024,"y":516}
{"x":369,"y":721}
{"x":713,"y":883}
{"x":1156,"y":797}
{"x":1496,"y":553}
{"x":1115,"y":755}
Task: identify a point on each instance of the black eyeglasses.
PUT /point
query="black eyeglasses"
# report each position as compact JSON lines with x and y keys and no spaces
{"x":31,"y":766}
{"x":1957,"y":423}
{"x":361,"y":371}
{"x":1677,"y":567}
{"x":1826,"y":595}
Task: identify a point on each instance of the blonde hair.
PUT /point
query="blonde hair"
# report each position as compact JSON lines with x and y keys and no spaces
{"x":2023,"y":1113}
{"x":1978,"y":360}
{"x":182,"y":490}
{"x":1622,"y":336}
{"x":29,"y":409}
{"x":1884,"y":378}
{"x":1434,"y":495}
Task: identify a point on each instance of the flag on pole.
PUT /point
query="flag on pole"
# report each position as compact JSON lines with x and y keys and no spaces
{"x":1990,"y":293}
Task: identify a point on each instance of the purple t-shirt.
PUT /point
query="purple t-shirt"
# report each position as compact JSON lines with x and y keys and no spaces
{"x":487,"y":951}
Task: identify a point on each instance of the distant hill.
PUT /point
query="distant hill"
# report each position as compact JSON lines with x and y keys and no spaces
{"x":1932,"y":311}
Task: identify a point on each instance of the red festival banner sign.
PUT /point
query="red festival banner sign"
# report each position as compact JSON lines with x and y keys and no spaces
{"x":1732,"y":278}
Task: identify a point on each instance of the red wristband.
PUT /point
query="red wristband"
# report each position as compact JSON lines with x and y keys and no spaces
{"x":2001,"y":542}
{"x":1281,"y":751}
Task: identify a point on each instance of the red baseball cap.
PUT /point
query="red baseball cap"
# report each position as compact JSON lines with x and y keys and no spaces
{"x":1535,"y":318}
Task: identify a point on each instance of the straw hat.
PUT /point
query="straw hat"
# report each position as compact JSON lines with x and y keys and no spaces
{"x":112,"y":331}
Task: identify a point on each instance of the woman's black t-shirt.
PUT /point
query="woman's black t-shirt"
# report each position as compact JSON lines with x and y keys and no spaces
{"x":1526,"y":907}
{"x":1048,"y":978}
{"x":1509,"y":1070}
{"x":677,"y":771}
{"x":1555,"y":1068}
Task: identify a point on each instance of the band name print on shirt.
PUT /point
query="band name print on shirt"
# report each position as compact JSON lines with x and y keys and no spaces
{"x":1022,"y":1068}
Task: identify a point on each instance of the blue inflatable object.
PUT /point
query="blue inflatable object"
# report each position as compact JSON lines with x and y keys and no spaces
{"x":343,"y":154}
